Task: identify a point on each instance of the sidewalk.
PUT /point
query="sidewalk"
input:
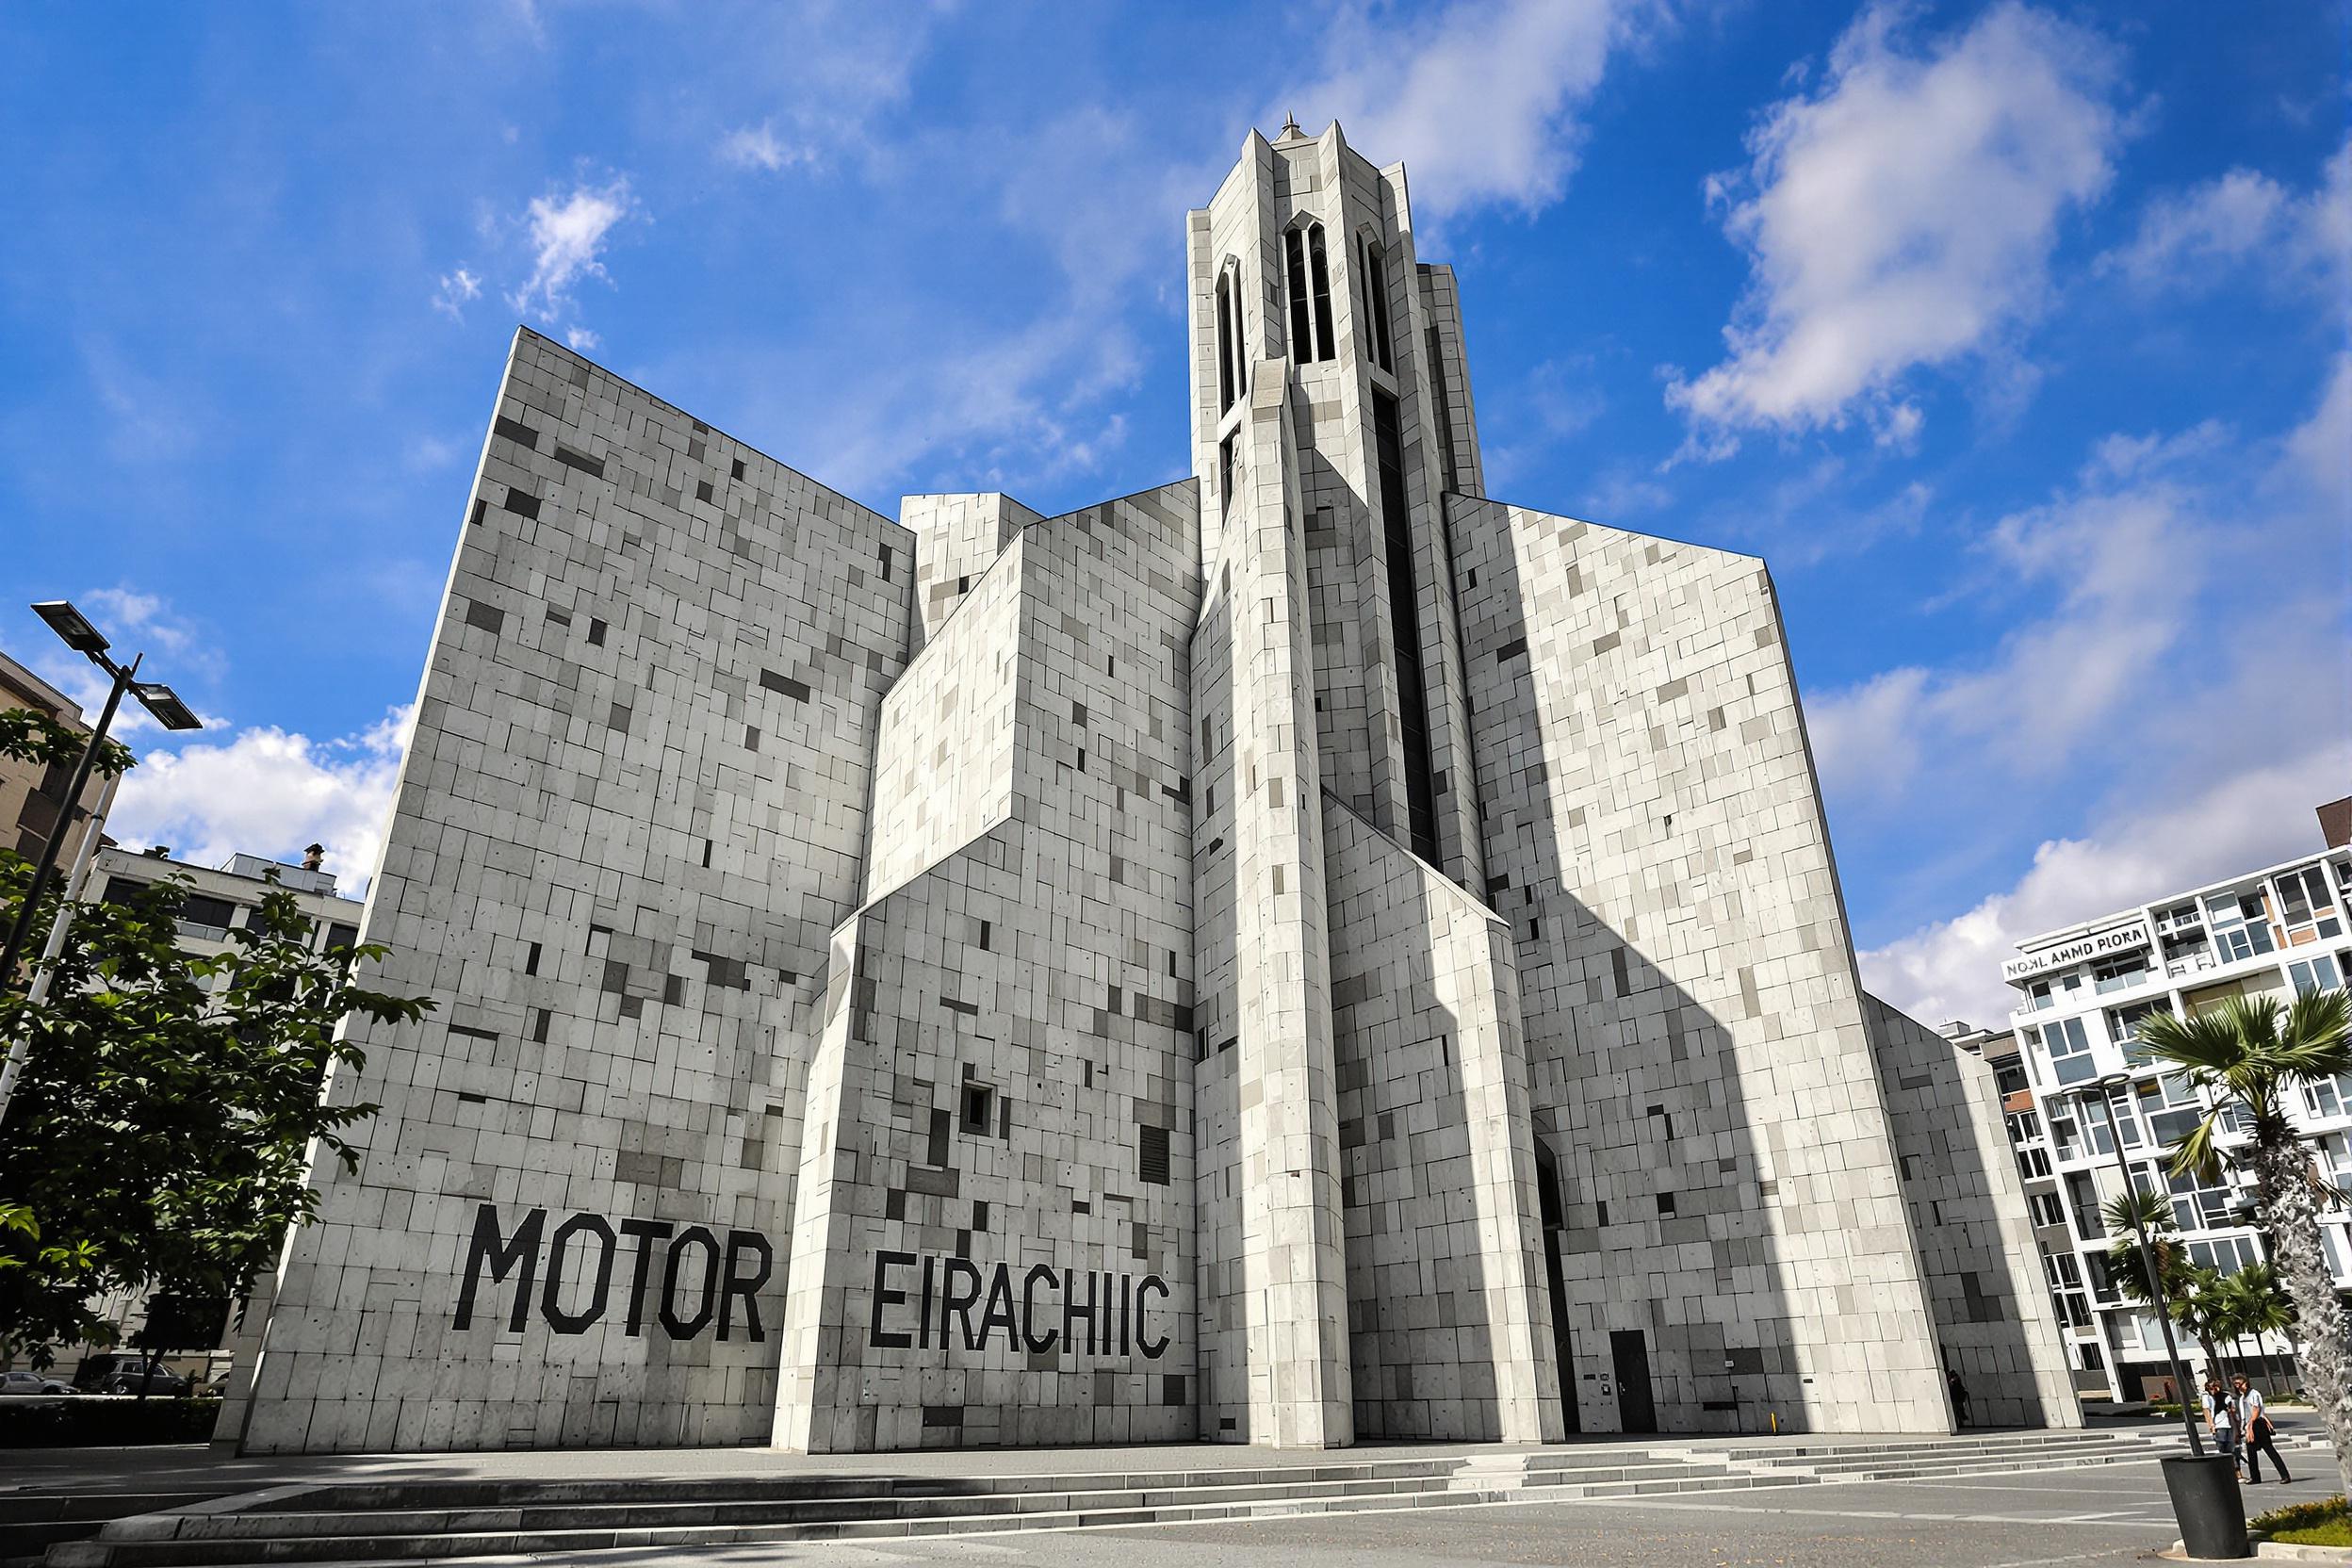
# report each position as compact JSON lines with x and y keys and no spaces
{"x":192,"y":1468}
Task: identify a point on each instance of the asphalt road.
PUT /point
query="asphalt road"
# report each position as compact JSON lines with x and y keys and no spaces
{"x":2106,"y":1515}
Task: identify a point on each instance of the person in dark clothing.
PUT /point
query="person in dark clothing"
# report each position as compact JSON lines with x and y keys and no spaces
{"x":1959,"y":1396}
{"x":2259,"y":1432}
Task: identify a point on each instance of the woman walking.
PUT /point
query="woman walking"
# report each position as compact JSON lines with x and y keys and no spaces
{"x":2259,"y":1433}
{"x":2221,"y":1419}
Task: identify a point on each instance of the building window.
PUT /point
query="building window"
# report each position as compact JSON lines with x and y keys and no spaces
{"x":2024,"y":1126}
{"x":203,"y":913}
{"x":2238,"y":926}
{"x":1151,"y":1157}
{"x":1308,"y":285}
{"x":1227,"y":334}
{"x":1375,"y":294}
{"x":2069,"y":1047}
{"x":2037,"y":995}
{"x":2064,"y":1269}
{"x":2303,"y":901}
{"x":1319,"y":271}
{"x":2033,"y":1163}
{"x":2045,"y":1208}
{"x":1225,"y":472}
{"x":978,"y":1107}
{"x":2328,"y":1097}
{"x":2122,"y":974}
{"x":2315,"y":974}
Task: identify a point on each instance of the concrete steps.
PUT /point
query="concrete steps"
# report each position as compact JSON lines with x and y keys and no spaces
{"x":424,"y":1521}
{"x":33,"y":1521}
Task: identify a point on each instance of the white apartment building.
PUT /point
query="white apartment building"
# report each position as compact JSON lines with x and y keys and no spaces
{"x":2084,"y":992}
{"x":224,"y":898}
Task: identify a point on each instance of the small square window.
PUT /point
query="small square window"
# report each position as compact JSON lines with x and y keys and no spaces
{"x":702,"y":490}
{"x":737,"y":470}
{"x":1665,"y":1205}
{"x":979,"y":1108}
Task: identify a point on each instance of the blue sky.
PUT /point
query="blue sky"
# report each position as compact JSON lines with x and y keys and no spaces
{"x":2012,"y":335}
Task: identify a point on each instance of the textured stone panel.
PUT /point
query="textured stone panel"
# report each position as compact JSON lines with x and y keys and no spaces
{"x":632,"y":811}
{"x":1984,"y":1271}
{"x":1695,"y":1035}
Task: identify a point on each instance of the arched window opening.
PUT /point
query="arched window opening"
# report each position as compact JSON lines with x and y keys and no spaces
{"x":1376,"y":288}
{"x":1224,"y":341}
{"x":1326,"y":340}
{"x":1295,"y":276}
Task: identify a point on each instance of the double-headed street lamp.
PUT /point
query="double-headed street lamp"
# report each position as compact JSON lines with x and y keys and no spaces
{"x":76,"y":632}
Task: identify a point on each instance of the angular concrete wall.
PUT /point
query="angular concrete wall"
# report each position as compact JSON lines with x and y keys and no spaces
{"x":1695,"y":1020}
{"x":1448,"y":1310}
{"x":996,"y":1242}
{"x":1985,"y":1282}
{"x":632,"y":812}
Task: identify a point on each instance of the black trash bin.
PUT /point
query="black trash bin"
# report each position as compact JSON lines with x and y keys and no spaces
{"x":2206,"y":1502}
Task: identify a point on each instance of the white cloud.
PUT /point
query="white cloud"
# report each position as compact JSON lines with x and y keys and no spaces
{"x":268,"y":791}
{"x":2175,"y":683}
{"x":759,"y":147}
{"x":2194,"y":238}
{"x":2249,"y":819}
{"x":583,"y":340}
{"x":2123,"y":567}
{"x":1901,"y":214}
{"x":568,"y":234}
{"x":1477,"y":100}
{"x":456,"y":290}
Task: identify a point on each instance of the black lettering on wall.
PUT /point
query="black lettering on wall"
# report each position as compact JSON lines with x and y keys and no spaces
{"x":647,"y":1232}
{"x":740,"y":1244}
{"x":518,"y":1253}
{"x":1151,"y":1282}
{"x":876,"y":1336}
{"x":1072,"y":1311}
{"x":922,"y":1312}
{"x":1037,"y":1343}
{"x":959,"y":1303}
{"x":687,"y":1328}
{"x":551,"y":1306}
{"x":1000,"y":1308}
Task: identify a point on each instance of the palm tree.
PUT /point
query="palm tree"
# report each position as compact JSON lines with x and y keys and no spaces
{"x":2251,"y":1053}
{"x":2188,"y":1293}
{"x":2253,"y":1303}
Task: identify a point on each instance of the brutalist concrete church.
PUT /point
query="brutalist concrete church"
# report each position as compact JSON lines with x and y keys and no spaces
{"x":1304,"y":954}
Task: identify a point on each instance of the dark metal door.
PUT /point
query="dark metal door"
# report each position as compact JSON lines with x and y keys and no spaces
{"x":1637,"y":1411}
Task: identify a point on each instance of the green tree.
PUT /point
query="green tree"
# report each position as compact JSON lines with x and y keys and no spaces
{"x":159,"y":1136}
{"x":2189,"y":1298}
{"x":2252,"y":1054}
{"x":2253,"y":1303}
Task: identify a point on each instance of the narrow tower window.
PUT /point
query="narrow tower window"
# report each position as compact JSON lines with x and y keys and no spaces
{"x":1325,"y":339}
{"x":1295,"y":274}
{"x":1376,"y":288}
{"x":1224,"y":341}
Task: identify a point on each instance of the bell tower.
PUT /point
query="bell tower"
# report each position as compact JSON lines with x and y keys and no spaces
{"x":1336,"y":829}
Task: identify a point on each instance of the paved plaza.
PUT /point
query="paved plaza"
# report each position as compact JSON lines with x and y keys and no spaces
{"x":2006,"y":1500}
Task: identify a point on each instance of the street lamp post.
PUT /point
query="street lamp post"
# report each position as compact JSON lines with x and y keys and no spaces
{"x":76,"y":632}
{"x":2105,"y":1088}
{"x":158,"y":699}
{"x":2203,"y":1487}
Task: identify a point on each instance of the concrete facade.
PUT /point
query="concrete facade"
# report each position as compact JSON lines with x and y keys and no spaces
{"x":1301,"y":953}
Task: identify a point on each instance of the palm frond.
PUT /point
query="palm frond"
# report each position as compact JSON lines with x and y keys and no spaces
{"x":2199,"y":1153}
{"x":2205,"y":1047}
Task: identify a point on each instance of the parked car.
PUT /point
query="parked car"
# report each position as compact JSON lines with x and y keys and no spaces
{"x":112,"y":1373}
{"x":33,"y":1383}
